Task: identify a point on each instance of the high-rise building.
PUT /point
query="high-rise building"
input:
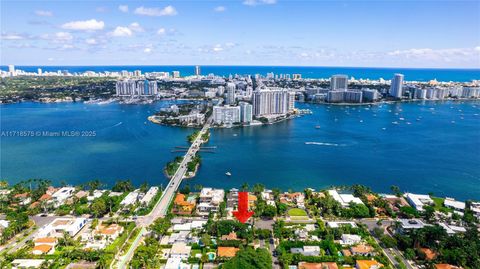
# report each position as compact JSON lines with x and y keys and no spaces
{"x":197,"y":70}
{"x":273,"y":101}
{"x":176,"y":74}
{"x":353,"y":96}
{"x":39,"y":71}
{"x":396,"y":86}
{"x":124,"y":73}
{"x":11,"y":69}
{"x":137,"y":73}
{"x":246,"y":112}
{"x":230,"y":93}
{"x":370,"y":95}
{"x":297,"y":76}
{"x":420,"y":93}
{"x":226,"y":114}
{"x":335,"y":96}
{"x":339,"y":82}
{"x":131,"y":87}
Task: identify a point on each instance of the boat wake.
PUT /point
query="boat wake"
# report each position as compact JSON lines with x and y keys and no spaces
{"x":325,"y":144}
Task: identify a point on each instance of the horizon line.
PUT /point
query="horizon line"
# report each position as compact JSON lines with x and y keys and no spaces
{"x":241,"y":65}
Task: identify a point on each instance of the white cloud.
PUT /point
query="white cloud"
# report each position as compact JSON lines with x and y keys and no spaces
{"x":43,"y":13}
{"x":259,"y":2}
{"x":88,"y":25}
{"x":147,"y":50}
{"x":166,"y":11}
{"x":63,"y":36}
{"x":59,"y":37}
{"x":121,"y":31}
{"x":12,"y":37}
{"x":91,"y":41}
{"x":161,"y":31}
{"x":220,"y":9}
{"x":428,"y":53}
{"x":217,"y":48}
{"x":135,"y":27}
{"x":123,"y":8}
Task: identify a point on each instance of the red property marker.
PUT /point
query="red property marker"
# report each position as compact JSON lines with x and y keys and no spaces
{"x":243,"y":214}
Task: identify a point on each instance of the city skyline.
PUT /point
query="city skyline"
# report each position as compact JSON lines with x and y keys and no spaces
{"x":347,"y":33}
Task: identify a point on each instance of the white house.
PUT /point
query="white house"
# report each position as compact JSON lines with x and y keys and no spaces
{"x":344,"y":199}
{"x":180,"y":250}
{"x":60,"y":196}
{"x":62,"y":225}
{"x":453,"y":204}
{"x":27,"y":263}
{"x":147,"y":198}
{"x":306,"y":250}
{"x":130,"y":199}
{"x":350,"y":239}
{"x":418,"y":201}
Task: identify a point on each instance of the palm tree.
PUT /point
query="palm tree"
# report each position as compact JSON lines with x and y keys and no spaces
{"x":245,"y":187}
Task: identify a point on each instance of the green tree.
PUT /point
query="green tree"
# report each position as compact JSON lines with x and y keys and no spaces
{"x":98,"y":208}
{"x":249,"y":258}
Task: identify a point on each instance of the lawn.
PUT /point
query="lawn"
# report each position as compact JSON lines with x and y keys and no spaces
{"x":439,"y":205}
{"x":297,"y":212}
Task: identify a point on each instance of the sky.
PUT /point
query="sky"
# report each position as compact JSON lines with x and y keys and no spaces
{"x":389,"y":33}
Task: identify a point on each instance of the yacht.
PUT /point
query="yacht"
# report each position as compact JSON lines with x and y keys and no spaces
{"x":228,"y":173}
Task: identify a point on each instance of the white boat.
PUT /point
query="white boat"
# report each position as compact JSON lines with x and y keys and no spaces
{"x":317,"y":127}
{"x":228,"y":173}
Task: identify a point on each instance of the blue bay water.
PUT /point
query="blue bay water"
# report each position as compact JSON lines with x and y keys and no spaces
{"x":411,"y":74}
{"x":439,"y":152}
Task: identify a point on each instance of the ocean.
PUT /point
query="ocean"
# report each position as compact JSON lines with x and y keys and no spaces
{"x":411,"y":74}
{"x":421,"y":147}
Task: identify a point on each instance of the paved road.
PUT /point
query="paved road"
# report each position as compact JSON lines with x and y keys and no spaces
{"x":161,"y":208}
{"x":389,"y":252}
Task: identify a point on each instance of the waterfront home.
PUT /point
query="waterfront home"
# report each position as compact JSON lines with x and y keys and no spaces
{"x":344,"y":199}
{"x":58,"y":226}
{"x":268,"y":197}
{"x":394,"y":202}
{"x":367,"y":264}
{"x":80,"y":194}
{"x":130,"y":199}
{"x":362,"y":250}
{"x":319,"y":265}
{"x":27,"y":263}
{"x":210,"y":200}
{"x":455,"y":205}
{"x":147,"y":198}
{"x":23,"y":198}
{"x":182,"y":206}
{"x":95,"y":194}
{"x":293,"y":199}
{"x":227,"y":252}
{"x":418,"y":201}
{"x":60,"y":196}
